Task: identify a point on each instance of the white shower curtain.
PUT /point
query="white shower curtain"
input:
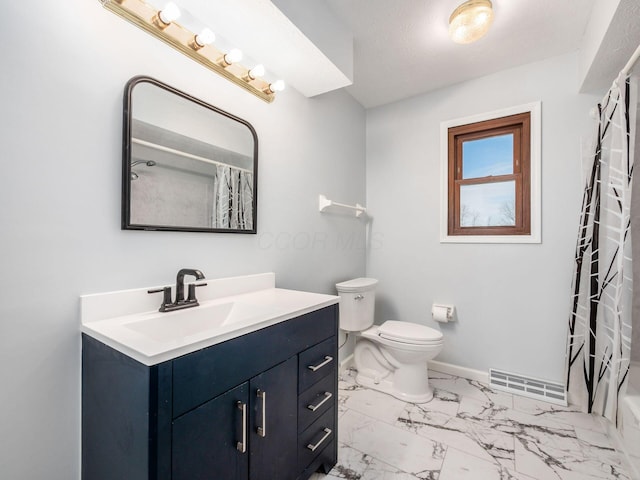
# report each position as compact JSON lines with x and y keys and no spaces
{"x":232,"y":198}
{"x":599,"y":342}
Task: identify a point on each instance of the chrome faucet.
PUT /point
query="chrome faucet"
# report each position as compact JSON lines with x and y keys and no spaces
{"x":180,"y":302}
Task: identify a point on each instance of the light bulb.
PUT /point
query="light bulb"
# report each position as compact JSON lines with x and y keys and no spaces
{"x":205,"y":37}
{"x":233,"y":56}
{"x":169,"y":13}
{"x":277,"y":86}
{"x":257,"y":71}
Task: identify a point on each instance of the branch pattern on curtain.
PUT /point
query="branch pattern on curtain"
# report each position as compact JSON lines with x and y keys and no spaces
{"x":232,"y":198}
{"x":599,"y":341}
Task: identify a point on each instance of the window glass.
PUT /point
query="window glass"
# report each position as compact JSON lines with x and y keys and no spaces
{"x":487,"y":156}
{"x":488,"y":204}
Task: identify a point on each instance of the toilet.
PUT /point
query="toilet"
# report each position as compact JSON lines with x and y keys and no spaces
{"x":392,"y":357}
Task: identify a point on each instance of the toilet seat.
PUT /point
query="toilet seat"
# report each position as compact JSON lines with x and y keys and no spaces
{"x":409,"y":333}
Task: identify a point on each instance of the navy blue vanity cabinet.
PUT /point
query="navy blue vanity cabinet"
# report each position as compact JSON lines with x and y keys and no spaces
{"x":251,"y":428}
{"x":274,"y":434}
{"x":317,"y":407}
{"x":208,"y":439}
{"x":236,"y":410}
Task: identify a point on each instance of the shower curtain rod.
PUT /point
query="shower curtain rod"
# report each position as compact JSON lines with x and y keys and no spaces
{"x":180,"y":153}
{"x":593,"y":113}
{"x":634,"y":58}
{"x":627,"y":68}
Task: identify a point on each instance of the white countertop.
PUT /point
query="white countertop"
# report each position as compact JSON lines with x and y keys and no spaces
{"x":123,"y":320}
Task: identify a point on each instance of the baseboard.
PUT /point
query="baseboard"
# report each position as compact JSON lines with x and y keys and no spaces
{"x":464,"y":372}
{"x":442,"y":367}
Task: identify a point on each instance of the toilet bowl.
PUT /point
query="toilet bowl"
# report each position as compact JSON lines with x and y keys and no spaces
{"x":392,"y":357}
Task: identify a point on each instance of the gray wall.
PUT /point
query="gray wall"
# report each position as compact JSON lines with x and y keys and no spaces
{"x":512,"y":300}
{"x":168,"y":196}
{"x":64,"y":71}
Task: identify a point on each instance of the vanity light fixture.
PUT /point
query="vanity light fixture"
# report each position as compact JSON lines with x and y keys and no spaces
{"x":255,"y":72}
{"x":276,"y":86}
{"x":199,"y":47}
{"x":234,"y":56}
{"x":470,"y":21}
{"x":169,"y":13}
{"x":204,"y":38}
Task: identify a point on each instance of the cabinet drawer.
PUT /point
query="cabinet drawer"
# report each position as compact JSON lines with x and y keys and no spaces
{"x":316,"y":438}
{"x":316,"y":363}
{"x":201,"y":376}
{"x":315,"y":401}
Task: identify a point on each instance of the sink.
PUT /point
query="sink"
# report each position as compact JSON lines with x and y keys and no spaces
{"x":128,"y":320}
{"x":171,"y":326}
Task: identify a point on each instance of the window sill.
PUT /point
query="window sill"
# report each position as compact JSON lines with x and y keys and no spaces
{"x":518,"y":239}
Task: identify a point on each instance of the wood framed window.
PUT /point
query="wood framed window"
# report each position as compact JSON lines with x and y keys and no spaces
{"x":489,"y":177}
{"x":492,"y":184}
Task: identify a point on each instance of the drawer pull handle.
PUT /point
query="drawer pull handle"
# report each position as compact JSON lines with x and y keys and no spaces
{"x":262,"y":430}
{"x":327,"y":396}
{"x":327,"y":360}
{"x":242,"y":446}
{"x":327,"y":432}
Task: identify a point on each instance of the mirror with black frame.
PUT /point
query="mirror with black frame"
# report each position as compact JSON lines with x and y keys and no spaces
{"x":187,"y":165}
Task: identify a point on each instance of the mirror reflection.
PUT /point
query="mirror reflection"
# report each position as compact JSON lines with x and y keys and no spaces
{"x":188,"y":166}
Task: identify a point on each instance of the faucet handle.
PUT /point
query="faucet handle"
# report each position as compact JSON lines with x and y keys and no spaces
{"x":191,"y":297}
{"x":166,"y":298}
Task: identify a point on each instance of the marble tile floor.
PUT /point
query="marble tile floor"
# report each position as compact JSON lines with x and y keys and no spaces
{"x":468,"y":431}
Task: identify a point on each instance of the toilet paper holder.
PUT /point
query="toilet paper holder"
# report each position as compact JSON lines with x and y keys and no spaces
{"x":442,"y":313}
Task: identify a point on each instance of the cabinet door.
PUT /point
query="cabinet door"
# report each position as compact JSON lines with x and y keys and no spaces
{"x":274,"y":428}
{"x":210,"y":442}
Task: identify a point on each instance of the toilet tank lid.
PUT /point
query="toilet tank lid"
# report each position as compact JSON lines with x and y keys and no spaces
{"x":408,"y":332}
{"x":356,"y":285}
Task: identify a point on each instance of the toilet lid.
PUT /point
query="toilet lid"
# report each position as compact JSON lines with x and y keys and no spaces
{"x":407,"y":332}
{"x":356,"y":285}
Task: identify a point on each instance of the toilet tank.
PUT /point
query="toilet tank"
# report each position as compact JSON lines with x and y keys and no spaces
{"x":357,"y":302}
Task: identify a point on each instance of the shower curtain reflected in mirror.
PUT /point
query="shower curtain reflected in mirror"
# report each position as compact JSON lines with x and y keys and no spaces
{"x":635,"y":241}
{"x":599,"y":341}
{"x":232,"y":198}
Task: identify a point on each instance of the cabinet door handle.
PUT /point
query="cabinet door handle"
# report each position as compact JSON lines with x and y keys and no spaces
{"x":327,"y":432}
{"x":327,"y":360}
{"x":327,"y":396}
{"x":242,"y":446}
{"x":262,"y":430}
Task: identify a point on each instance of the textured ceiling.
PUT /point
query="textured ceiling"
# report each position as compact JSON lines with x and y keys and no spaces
{"x":402,"y":48}
{"x":266,"y":36}
{"x":619,"y":43}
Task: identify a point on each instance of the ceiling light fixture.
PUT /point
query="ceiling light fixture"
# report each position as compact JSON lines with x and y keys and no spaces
{"x":199,"y":47}
{"x":470,"y":21}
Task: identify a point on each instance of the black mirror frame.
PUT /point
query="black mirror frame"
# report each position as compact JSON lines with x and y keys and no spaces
{"x":126,"y":161}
